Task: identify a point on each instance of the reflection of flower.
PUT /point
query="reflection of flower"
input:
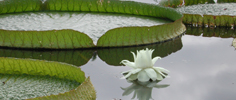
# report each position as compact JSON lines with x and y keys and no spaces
{"x":234,"y":43}
{"x":143,"y":69}
{"x":142,"y":90}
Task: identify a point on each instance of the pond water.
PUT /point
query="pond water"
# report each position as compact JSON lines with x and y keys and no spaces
{"x":201,"y":68}
{"x":201,"y":64}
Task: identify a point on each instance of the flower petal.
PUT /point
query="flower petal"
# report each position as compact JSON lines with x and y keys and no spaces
{"x":162,"y":69}
{"x":151,"y":73}
{"x":129,"y":90}
{"x":143,"y":59}
{"x":125,"y":72}
{"x":159,"y":71}
{"x":133,"y":77}
{"x":159,"y":76}
{"x":142,"y":76}
{"x":161,"y":86}
{"x":134,"y":56}
{"x":133,"y":71}
{"x":128,"y":63}
{"x":155,"y":59}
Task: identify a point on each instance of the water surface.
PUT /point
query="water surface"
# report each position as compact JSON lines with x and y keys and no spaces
{"x":202,"y":69}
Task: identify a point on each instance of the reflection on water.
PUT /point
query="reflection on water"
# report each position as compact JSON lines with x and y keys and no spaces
{"x":75,"y":57}
{"x":201,"y":64}
{"x":142,"y":90}
{"x":113,"y":56}
{"x":203,"y":68}
{"x":211,"y":32}
{"x":234,"y":43}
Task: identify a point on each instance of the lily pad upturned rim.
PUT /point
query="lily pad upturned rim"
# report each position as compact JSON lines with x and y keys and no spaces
{"x":53,"y":69}
{"x":107,"y":6}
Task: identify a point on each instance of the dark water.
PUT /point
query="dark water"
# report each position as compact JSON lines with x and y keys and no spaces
{"x":202,"y":67}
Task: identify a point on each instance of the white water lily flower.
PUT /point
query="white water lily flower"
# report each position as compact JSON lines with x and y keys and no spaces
{"x":143,"y":69}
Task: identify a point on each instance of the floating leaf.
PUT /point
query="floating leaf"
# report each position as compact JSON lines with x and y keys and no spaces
{"x":130,"y":36}
{"x":26,"y":86}
{"x":194,"y":2}
{"x":93,"y":24}
{"x":12,"y":6}
{"x":178,"y":3}
{"x":146,"y":35}
{"x":74,"y":57}
{"x":225,"y":1}
{"x":84,"y":92}
{"x":51,"y":69}
{"x":171,"y":3}
{"x":113,"y":56}
{"x":53,"y":39}
{"x":210,"y":15}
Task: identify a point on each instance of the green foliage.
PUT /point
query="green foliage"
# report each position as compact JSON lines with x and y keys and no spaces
{"x":210,"y":20}
{"x":12,"y":6}
{"x":194,"y":2}
{"x":177,"y":3}
{"x":52,"y":69}
{"x":41,"y":68}
{"x":128,"y":36}
{"x":225,"y":1}
{"x":112,"y":6}
{"x":54,"y":39}
{"x":68,"y":39}
{"x":85,"y":91}
{"x":171,"y":3}
{"x":19,"y":87}
{"x":113,"y":56}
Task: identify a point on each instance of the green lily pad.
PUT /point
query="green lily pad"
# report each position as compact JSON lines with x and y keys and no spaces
{"x":179,"y":3}
{"x":24,"y":86}
{"x":92,"y":24}
{"x":210,"y":15}
{"x":54,"y":39}
{"x":74,"y":39}
{"x":226,"y":1}
{"x":37,"y":68}
{"x":12,"y":6}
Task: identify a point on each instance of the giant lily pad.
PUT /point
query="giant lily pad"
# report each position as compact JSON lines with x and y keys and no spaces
{"x":205,"y":12}
{"x":14,"y":71}
{"x":93,"y":24}
{"x":225,"y":1}
{"x":125,"y":36}
{"x":210,"y":15}
{"x":178,"y":3}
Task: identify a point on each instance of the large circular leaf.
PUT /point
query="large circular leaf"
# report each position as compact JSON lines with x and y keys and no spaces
{"x":113,"y":38}
{"x":38,"y":68}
